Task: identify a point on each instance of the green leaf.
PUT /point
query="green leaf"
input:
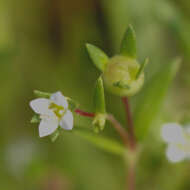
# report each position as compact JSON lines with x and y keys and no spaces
{"x":99,"y":58}
{"x":152,"y":97}
{"x":128,"y":45}
{"x":35,"y":119}
{"x":142,"y":66}
{"x":99,"y":98}
{"x":103,"y":143}
{"x":41,"y":94}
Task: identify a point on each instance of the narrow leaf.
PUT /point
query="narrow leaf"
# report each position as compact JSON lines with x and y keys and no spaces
{"x":103,"y":143}
{"x":142,"y":66}
{"x":99,"y":58}
{"x":128,"y":45}
{"x":152,"y":97}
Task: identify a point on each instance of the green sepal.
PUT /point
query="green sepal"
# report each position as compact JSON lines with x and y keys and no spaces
{"x":99,"y":98}
{"x":128,"y":44}
{"x":99,"y":105}
{"x":99,"y":58}
{"x":142,"y":67}
{"x":55,"y":135}
{"x":99,"y":122}
{"x":41,"y":94}
{"x":72,"y":104}
{"x":35,"y":119}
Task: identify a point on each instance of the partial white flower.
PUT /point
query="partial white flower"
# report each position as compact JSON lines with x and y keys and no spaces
{"x":53,"y":112}
{"x":178,"y":139}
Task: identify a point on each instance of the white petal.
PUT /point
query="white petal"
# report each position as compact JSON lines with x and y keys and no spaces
{"x":187,"y":130}
{"x":172,"y":132}
{"x":59,"y":99}
{"x":67,"y":121}
{"x":48,"y":126}
{"x":41,"y":106}
{"x":174,"y":154}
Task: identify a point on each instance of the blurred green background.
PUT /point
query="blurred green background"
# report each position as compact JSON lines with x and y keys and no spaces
{"x":42,"y":46}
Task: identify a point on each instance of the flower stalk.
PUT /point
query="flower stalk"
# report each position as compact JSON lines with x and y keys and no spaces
{"x":118,"y":127}
{"x":132,"y":148}
{"x":129,"y":118}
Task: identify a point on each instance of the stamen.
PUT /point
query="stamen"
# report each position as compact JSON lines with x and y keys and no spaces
{"x":58,"y":110}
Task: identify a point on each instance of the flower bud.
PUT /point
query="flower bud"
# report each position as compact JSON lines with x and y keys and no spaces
{"x":99,"y":106}
{"x":99,"y":122}
{"x":123,"y":76}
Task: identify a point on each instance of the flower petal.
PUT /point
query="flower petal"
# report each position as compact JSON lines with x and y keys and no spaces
{"x":174,"y":154}
{"x":59,"y":99}
{"x":47,"y":126}
{"x":67,"y":121}
{"x":41,"y":106}
{"x":173,"y":133}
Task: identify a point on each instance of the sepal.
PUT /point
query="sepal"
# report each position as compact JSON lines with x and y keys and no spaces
{"x":128,"y":44}
{"x":99,"y":58}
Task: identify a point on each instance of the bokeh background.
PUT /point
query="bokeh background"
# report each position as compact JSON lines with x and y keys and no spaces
{"x":42,"y":46}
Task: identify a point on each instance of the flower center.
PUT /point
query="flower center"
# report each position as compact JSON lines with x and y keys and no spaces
{"x":58,"y":110}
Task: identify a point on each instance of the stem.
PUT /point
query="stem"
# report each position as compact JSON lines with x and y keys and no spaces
{"x":131,"y":177}
{"x":124,"y":136}
{"x":121,"y":131}
{"x":131,"y":164}
{"x":132,"y":139}
{"x":83,"y":113}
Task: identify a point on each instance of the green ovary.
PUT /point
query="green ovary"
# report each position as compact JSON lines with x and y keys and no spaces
{"x":124,"y":70}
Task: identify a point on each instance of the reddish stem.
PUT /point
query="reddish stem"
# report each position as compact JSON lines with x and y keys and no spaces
{"x":115,"y":123}
{"x":121,"y":131}
{"x":132,"y":139}
{"x":131,"y":177}
{"x":83,"y":113}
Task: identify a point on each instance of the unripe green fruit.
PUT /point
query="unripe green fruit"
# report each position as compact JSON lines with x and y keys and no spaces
{"x":123,"y":70}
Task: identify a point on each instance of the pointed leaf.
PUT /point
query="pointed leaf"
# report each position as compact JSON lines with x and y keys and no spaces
{"x":128,"y":45}
{"x":103,"y":143}
{"x":99,"y":58}
{"x":151,"y":100}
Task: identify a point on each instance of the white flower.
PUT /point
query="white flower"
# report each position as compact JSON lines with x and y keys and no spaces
{"x":178,"y":139}
{"x":53,"y":112}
